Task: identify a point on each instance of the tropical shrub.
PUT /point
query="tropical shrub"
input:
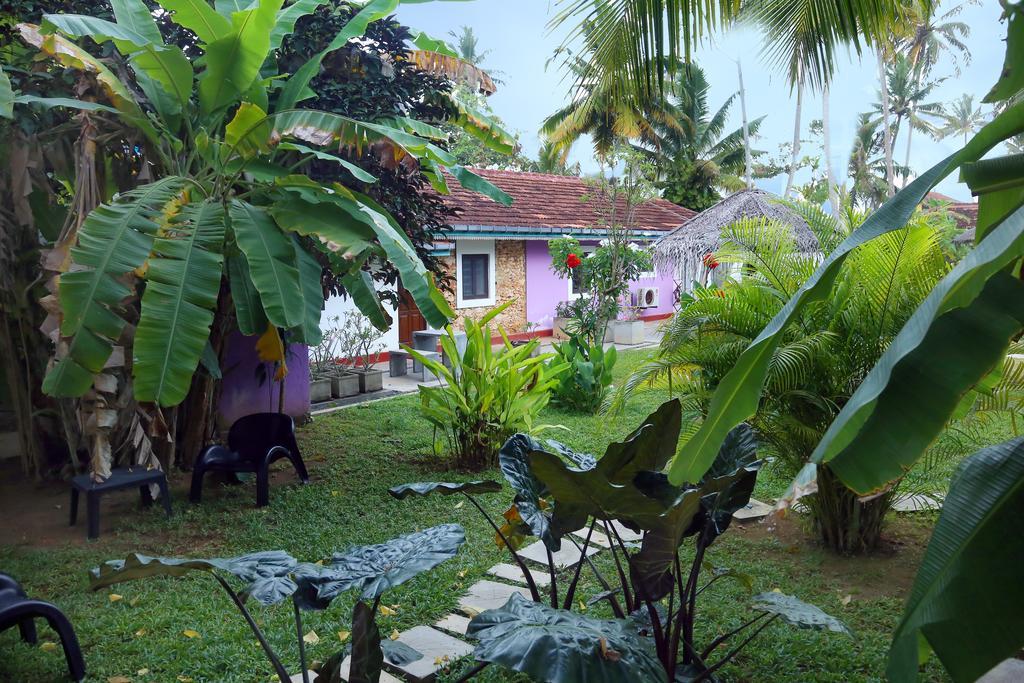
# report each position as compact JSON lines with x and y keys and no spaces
{"x":487,"y":394}
{"x":821,"y":360}
{"x":654,"y":599}
{"x":583,"y":373}
{"x":966,"y":601}
{"x":274,"y":576}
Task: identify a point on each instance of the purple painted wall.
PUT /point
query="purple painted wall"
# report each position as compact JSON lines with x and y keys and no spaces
{"x":241,"y":393}
{"x":545,"y":289}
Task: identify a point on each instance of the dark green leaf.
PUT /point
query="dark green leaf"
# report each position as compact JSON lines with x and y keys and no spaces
{"x":367,"y":656}
{"x":398,"y":653}
{"x":374,"y":569}
{"x":423,"y":488}
{"x":797,"y":612}
{"x":514,"y":461}
{"x":249,"y":568}
{"x":559,"y":646}
{"x":966,"y":601}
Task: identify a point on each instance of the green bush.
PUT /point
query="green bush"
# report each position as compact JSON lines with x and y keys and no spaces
{"x":584,"y":373}
{"x":488,"y":394}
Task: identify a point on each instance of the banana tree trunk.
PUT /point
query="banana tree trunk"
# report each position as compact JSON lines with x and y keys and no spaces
{"x":796,"y":132}
{"x":826,"y":130}
{"x":890,"y":172}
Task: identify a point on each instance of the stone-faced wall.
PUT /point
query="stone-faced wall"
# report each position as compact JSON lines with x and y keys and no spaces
{"x":510,"y":276}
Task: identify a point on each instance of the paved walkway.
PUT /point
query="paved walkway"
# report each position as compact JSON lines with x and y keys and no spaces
{"x":407,"y":384}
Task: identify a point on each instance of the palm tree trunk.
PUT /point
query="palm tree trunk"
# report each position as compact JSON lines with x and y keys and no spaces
{"x":796,"y":131}
{"x":748,"y":172}
{"x":826,"y":131}
{"x":890,"y":172}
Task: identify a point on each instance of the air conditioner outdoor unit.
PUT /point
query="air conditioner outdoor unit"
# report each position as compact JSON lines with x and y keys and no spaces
{"x":647,"y":297}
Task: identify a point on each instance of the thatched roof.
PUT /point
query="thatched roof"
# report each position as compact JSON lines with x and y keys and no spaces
{"x":966,"y":237}
{"x":702,"y":234}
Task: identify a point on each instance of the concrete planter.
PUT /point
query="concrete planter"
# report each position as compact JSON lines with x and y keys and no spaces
{"x":370,"y":380}
{"x":320,"y":390}
{"x":558,"y":328}
{"x":627,"y":332}
{"x":344,"y":384}
{"x":524,"y":342}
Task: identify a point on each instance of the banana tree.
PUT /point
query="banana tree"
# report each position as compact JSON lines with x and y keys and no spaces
{"x":228,"y":203}
{"x":966,"y":602}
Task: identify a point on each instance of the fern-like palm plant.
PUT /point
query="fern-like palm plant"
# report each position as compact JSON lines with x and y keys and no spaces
{"x":823,"y":357}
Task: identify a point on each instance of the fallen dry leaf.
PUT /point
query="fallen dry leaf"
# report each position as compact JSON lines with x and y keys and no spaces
{"x":141,"y":632}
{"x":343,"y":635}
{"x":846,"y":600}
{"x":460,"y":504}
{"x":189,"y":633}
{"x":311,"y":638}
{"x":142,"y":672}
{"x":395,"y":635}
{"x":48,"y":646}
{"x":114,"y":597}
{"x":119,"y":679}
{"x":386,"y":611}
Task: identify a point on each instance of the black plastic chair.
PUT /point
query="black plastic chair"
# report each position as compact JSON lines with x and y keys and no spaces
{"x":254,"y":442}
{"x":18,"y":608}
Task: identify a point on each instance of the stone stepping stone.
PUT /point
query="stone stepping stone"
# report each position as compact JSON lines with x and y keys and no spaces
{"x":627,"y":535}
{"x":485,"y":595}
{"x":568,"y":556}
{"x":511,"y":572}
{"x":596,"y":538}
{"x":755,"y":509}
{"x":456,"y":624}
{"x":438,"y":650}
{"x":917,"y":503}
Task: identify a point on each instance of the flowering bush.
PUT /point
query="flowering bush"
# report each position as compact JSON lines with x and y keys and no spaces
{"x":572,"y":261}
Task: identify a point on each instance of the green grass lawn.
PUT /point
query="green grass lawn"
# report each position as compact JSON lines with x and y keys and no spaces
{"x":355,"y":455}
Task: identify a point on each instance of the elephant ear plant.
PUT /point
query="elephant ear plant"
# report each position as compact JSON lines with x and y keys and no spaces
{"x":561,"y":494}
{"x":275,"y":576}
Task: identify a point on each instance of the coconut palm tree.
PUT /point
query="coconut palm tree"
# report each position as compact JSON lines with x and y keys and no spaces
{"x":962,"y":118}
{"x":634,"y":47}
{"x":695,"y":159}
{"x":907,"y":92}
{"x":866,"y":166}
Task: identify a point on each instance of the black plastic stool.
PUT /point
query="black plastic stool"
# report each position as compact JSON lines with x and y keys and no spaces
{"x":120,"y":478}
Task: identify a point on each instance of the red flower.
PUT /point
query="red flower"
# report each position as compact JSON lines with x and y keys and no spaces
{"x":572,"y":261}
{"x":709,"y":261}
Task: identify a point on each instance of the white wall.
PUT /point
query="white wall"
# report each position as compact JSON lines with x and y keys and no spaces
{"x":339,"y":306}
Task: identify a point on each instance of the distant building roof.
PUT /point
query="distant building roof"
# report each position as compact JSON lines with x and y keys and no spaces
{"x":964,"y":213}
{"x":549,"y":204}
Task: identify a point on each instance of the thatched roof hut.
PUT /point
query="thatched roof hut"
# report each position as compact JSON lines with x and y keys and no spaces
{"x":684,"y":248}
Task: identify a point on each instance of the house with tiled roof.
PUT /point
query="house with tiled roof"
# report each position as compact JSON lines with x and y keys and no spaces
{"x":964,"y":213}
{"x":497,"y":253}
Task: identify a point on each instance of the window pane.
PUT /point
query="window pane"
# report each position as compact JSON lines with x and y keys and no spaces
{"x":475,"y":276}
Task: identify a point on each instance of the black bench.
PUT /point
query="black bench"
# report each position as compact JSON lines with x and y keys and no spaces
{"x":120,"y":478}
{"x":17,"y":609}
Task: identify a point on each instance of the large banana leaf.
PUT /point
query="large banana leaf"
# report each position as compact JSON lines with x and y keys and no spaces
{"x":73,"y":57}
{"x":233,"y":61}
{"x":284,"y":23}
{"x":738,"y":394}
{"x":162,"y":71}
{"x":359,"y":285}
{"x":114,"y":240}
{"x":271,"y":260}
{"x":310,"y":284}
{"x":963,"y":328}
{"x":198,"y":17}
{"x":965,"y":604}
{"x":248,"y":307}
{"x":183,"y":277}
{"x":6,"y":96}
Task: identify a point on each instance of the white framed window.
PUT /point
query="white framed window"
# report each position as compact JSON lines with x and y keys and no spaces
{"x":475,"y":281}
{"x":575,"y":289}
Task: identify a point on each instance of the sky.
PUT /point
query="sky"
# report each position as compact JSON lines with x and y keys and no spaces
{"x":520,"y":44}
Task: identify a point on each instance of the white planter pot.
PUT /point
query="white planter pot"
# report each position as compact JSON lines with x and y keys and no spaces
{"x":320,"y":390}
{"x":627,"y":332}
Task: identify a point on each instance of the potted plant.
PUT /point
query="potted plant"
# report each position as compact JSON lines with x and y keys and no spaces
{"x":361,"y":343}
{"x":321,"y":366}
{"x":629,"y":329}
{"x":563,"y":313}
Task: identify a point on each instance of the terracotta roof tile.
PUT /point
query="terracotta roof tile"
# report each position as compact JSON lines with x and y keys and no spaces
{"x":541,"y":200}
